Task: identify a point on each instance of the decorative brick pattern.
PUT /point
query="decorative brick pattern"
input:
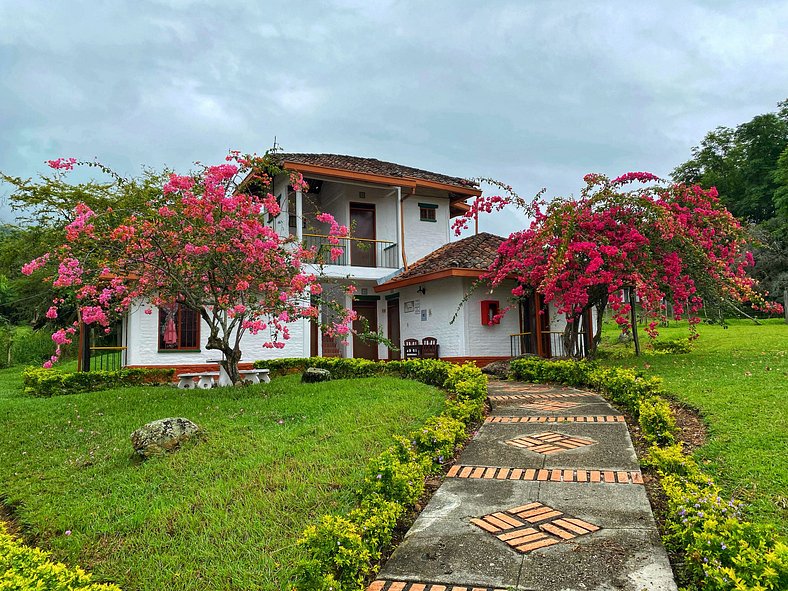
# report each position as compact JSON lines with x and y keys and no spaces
{"x":558,"y":419}
{"x":532,"y":397}
{"x":548,"y":405}
{"x":580,"y":475}
{"x":384,"y":585}
{"x":533,"y":526}
{"x":549,"y":442}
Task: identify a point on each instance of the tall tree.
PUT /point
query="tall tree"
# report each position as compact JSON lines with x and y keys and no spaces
{"x":200,"y":240}
{"x":674,"y":243}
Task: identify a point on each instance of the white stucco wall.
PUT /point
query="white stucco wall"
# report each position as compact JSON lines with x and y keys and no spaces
{"x":488,"y":341}
{"x":440,"y":303}
{"x":421,"y":238}
{"x":142,"y":343}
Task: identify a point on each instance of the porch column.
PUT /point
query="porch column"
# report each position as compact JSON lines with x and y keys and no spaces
{"x":299,"y":213}
{"x":538,"y":327}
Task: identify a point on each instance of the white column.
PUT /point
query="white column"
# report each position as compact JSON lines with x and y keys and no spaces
{"x":398,"y":240}
{"x":299,"y":213}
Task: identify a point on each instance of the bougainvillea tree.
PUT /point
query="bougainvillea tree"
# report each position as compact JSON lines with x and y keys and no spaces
{"x":672,"y":244}
{"x":201,"y":241}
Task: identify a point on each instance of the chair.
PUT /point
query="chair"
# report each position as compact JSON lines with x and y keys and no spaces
{"x":429,"y":348}
{"x":411,"y":349}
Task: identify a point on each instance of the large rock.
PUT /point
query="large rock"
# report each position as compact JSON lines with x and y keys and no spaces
{"x":502,"y":368}
{"x":162,"y":436}
{"x":314,"y":374}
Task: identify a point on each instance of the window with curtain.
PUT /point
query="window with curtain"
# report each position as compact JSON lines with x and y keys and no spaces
{"x":179,"y":328}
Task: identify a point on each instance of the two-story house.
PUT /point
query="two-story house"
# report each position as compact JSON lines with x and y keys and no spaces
{"x":412,"y":281}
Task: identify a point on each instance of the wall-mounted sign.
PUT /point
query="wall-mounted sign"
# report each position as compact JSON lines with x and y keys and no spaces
{"x":423,"y":315}
{"x":408,"y":306}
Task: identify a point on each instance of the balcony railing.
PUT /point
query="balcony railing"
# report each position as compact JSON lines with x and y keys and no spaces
{"x":552,"y":344}
{"x":358,"y":252}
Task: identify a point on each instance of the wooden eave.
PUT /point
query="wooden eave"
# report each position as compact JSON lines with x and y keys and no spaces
{"x":406,"y":182}
{"x":434,"y":276}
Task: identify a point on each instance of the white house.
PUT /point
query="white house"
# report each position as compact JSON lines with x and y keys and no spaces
{"x":412,"y":282}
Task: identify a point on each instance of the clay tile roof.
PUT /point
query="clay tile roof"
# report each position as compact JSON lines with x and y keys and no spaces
{"x":475,"y":252}
{"x":376,"y":167}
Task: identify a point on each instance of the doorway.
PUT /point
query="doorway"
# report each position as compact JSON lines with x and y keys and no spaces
{"x":363,"y":349}
{"x":392,"y":313}
{"x":362,"y":225}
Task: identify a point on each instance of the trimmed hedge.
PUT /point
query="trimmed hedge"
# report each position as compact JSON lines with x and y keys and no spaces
{"x":37,"y":381}
{"x":722,"y":550}
{"x":344,"y":550}
{"x":23,"y":568}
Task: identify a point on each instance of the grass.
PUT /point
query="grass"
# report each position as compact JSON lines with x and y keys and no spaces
{"x":738,"y":379}
{"x":225,"y":511}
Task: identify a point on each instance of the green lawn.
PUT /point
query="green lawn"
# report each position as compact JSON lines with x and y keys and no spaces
{"x":222,"y":513}
{"x":738,"y":378}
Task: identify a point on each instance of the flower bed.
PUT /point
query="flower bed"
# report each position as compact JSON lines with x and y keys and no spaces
{"x":721,"y":549}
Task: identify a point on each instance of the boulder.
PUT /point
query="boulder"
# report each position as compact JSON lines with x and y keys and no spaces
{"x":314,"y":374}
{"x":162,"y":436}
{"x":625,"y":337}
{"x":501,"y":369}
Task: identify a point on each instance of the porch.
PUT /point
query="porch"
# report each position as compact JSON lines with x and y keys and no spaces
{"x":549,"y":343}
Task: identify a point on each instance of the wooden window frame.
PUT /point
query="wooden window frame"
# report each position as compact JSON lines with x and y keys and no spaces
{"x":428,"y":212}
{"x":179,"y":328}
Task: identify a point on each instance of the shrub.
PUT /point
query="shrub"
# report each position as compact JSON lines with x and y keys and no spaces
{"x":439,"y":438}
{"x":23,"y":568}
{"x":673,"y":346}
{"x":37,"y":381}
{"x":656,"y":421}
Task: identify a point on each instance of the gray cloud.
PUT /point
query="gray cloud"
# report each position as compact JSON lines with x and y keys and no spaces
{"x":536,"y":94}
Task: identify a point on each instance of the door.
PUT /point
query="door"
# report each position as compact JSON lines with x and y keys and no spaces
{"x":392,"y":312}
{"x":362,"y":225}
{"x":365,"y":349}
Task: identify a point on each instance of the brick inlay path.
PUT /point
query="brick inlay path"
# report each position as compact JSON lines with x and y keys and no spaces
{"x":548,"y":405}
{"x":549,"y":442}
{"x":547,"y":475}
{"x":496,"y":523}
{"x":384,"y":585}
{"x":558,"y":419}
{"x":533,"y":526}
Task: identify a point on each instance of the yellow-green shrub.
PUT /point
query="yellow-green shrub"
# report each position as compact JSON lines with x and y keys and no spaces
{"x":23,"y":568}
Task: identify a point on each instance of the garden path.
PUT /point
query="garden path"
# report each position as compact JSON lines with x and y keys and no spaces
{"x":548,"y":495}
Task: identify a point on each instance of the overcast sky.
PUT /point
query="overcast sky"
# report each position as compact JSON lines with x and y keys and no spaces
{"x":533,"y":93}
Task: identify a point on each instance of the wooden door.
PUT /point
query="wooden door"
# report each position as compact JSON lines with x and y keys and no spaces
{"x":392,"y":311}
{"x":362,"y":225}
{"x":363,"y":349}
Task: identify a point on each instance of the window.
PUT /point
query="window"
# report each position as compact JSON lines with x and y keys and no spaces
{"x":179,"y":328}
{"x":427,"y":212}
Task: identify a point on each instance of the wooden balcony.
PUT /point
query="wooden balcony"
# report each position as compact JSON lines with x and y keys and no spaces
{"x":356,"y":252}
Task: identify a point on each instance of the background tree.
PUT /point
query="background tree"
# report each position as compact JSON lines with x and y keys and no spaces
{"x":675,"y":244}
{"x":199,"y":240}
{"x":748,"y":165}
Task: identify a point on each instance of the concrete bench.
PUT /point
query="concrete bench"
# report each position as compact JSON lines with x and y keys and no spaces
{"x":205,"y":381}
{"x":255,"y":376}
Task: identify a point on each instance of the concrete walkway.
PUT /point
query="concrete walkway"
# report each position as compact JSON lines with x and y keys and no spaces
{"x":548,"y":495}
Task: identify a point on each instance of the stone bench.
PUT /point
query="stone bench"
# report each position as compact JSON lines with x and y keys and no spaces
{"x":205,"y":381}
{"x":206,"y":378}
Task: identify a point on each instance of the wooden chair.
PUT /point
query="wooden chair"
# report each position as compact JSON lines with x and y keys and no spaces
{"x":429,"y":348}
{"x":411,"y":349}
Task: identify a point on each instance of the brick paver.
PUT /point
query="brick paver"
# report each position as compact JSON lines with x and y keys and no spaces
{"x":549,"y":442}
{"x":558,"y":419}
{"x":579,"y":475}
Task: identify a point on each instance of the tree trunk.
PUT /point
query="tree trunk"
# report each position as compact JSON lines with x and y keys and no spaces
{"x":597,"y":338}
{"x":634,"y":320}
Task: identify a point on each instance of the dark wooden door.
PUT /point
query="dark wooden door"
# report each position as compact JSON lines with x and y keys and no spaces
{"x":392,"y":311}
{"x":362,"y":225}
{"x":365,"y":349}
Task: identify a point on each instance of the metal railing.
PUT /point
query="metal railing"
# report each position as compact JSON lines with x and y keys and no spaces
{"x":552,"y":344}
{"x":367,"y":252}
{"x":106,"y":358}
